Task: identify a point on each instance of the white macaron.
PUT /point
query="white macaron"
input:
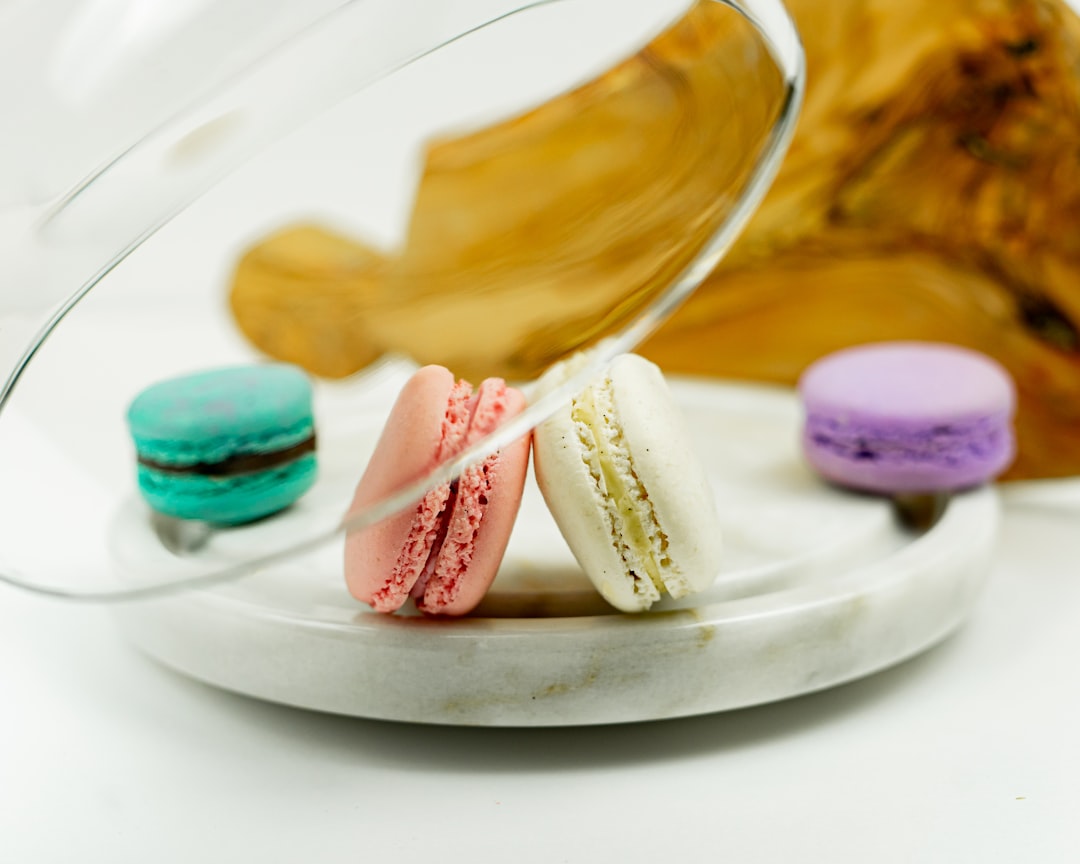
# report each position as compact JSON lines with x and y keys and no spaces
{"x":620,"y":477}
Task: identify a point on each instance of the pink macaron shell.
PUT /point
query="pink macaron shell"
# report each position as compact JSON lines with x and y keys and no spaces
{"x":428,"y":423}
{"x":485,"y":508}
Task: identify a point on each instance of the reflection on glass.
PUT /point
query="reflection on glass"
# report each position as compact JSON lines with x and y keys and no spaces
{"x":561,"y":225}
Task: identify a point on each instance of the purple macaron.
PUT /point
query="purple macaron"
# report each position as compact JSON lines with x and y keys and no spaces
{"x":898,"y":417}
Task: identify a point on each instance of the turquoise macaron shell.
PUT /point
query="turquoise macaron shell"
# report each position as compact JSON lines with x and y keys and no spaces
{"x":227,"y":500}
{"x":211,"y":416}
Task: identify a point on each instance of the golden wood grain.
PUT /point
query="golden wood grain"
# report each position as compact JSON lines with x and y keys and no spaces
{"x":932,"y":192}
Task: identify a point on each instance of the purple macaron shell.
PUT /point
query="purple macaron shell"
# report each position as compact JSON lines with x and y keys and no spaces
{"x":908,"y":417}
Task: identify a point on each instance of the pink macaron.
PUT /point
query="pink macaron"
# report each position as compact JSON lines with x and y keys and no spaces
{"x":445,"y":551}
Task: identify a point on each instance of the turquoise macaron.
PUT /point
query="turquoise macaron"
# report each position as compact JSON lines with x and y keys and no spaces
{"x":227,"y":445}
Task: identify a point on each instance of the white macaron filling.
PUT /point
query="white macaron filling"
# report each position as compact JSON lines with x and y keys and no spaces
{"x":636,"y":532}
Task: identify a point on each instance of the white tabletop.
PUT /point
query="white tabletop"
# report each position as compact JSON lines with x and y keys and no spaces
{"x":967,"y":753}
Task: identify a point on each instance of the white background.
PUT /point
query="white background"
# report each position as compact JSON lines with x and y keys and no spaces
{"x":969,"y":753}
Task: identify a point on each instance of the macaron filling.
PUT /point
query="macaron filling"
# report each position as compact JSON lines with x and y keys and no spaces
{"x":235,"y":465}
{"x":635,"y":531}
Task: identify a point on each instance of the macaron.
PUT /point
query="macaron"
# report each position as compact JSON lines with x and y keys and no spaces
{"x":445,"y":552}
{"x":908,"y":417}
{"x":226,"y":445}
{"x":621,"y":479}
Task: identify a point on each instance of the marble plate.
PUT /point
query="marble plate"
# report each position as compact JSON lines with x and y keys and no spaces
{"x":819,"y":587}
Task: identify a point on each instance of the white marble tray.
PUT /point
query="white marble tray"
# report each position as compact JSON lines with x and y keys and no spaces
{"x":820,"y":587}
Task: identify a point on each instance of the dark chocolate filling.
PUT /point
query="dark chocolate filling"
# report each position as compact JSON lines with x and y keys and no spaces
{"x":241,"y":463}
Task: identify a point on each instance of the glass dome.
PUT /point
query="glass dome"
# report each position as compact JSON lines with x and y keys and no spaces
{"x":356,"y":187}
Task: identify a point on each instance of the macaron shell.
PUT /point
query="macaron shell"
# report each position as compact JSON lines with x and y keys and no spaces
{"x":217,"y":413}
{"x":406,"y":450}
{"x":228,"y":500}
{"x":485,"y":509}
{"x":911,"y":469}
{"x":908,"y":384}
